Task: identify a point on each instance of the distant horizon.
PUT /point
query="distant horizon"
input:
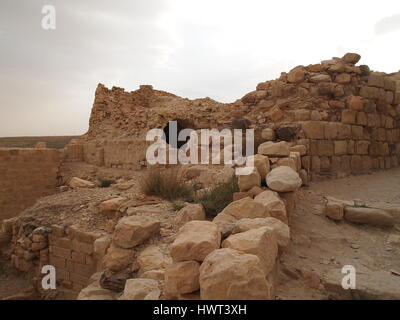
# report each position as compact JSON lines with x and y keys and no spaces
{"x":220,"y":50}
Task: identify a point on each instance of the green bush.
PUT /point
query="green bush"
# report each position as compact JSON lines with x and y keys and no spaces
{"x":167,"y":184}
{"x":178,"y":205}
{"x":217,"y":198}
{"x":106,"y":183}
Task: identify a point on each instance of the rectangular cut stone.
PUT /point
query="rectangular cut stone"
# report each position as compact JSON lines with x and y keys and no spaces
{"x":325,"y":148}
{"x":340,"y":147}
{"x":357,"y":132}
{"x":344,"y":131}
{"x":349,"y":116}
{"x":362,"y":147}
{"x":313,"y":129}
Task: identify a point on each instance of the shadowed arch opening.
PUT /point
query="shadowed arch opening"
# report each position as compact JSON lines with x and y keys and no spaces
{"x":181,"y":124}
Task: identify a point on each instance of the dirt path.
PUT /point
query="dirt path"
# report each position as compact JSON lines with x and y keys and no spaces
{"x":321,"y":247}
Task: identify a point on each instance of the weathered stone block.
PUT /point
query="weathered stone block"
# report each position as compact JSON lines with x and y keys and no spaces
{"x":340,"y":147}
{"x":349,"y":116}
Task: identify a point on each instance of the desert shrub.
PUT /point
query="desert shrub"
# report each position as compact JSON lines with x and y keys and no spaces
{"x":167,"y":184}
{"x":178,"y":205}
{"x":217,"y":198}
{"x":106,"y":183}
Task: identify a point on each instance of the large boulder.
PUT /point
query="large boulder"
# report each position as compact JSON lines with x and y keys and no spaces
{"x":189,"y":213}
{"x":111,"y":205}
{"x":182,"y":277}
{"x":273,"y":204}
{"x":117,"y":259}
{"x":80,"y":183}
{"x":134,"y":230}
{"x":351,"y":58}
{"x":151,"y":258}
{"x":262,"y":164}
{"x":246,"y":182}
{"x":296,"y":75}
{"x":246,"y":208}
{"x":281,"y":230}
{"x":260,"y":242}
{"x":228,"y":274}
{"x":274,"y":149}
{"x":141,"y":289}
{"x":375,"y":217}
{"x":283,"y":179}
{"x":195,"y":240}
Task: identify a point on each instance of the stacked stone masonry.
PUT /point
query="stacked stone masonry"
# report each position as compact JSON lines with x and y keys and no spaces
{"x":69,"y":250}
{"x":26,"y":175}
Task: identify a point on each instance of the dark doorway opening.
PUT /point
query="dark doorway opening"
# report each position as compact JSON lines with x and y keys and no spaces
{"x":181,"y":124}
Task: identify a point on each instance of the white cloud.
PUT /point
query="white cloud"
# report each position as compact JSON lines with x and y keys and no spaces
{"x":220,"y":49}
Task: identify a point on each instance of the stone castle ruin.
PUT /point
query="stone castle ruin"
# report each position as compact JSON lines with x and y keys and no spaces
{"x":323,"y":121}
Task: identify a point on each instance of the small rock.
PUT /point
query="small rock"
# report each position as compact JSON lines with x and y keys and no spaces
{"x":283,"y":179}
{"x":80,"y":183}
{"x":139,"y":289}
{"x":189,"y":213}
{"x":134,"y":230}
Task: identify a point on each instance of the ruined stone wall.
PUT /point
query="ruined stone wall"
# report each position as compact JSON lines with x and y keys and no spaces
{"x":347,"y":116}
{"x":31,"y":246}
{"x":26,"y":175}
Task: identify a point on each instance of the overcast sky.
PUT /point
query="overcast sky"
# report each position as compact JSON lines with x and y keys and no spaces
{"x":215,"y":48}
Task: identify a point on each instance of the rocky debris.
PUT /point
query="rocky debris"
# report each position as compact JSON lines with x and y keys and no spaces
{"x":80,"y":183}
{"x":262,"y":165}
{"x":134,"y":230}
{"x":117,"y":259}
{"x":370,"y":216}
{"x":111,"y":205}
{"x":100,"y":247}
{"x":189,"y":213}
{"x":195,"y":240}
{"x":274,"y":206}
{"x":351,"y":58}
{"x":274,"y":149}
{"x":124,"y":185}
{"x":268,"y":134}
{"x":114,"y":280}
{"x":245,"y":208}
{"x":158,"y":275}
{"x":296,"y":75}
{"x":95,"y":292}
{"x":228,"y":274}
{"x":246,"y":182}
{"x":283,"y":179}
{"x":151,"y":258}
{"x":260,"y":242}
{"x":182,"y":277}
{"x":282,"y":231}
{"x":141,"y":289}
{"x":334,"y":210}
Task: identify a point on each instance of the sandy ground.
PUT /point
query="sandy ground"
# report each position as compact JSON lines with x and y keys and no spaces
{"x":321,"y":247}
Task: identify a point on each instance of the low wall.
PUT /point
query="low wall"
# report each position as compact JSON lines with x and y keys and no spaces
{"x":26,"y":175}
